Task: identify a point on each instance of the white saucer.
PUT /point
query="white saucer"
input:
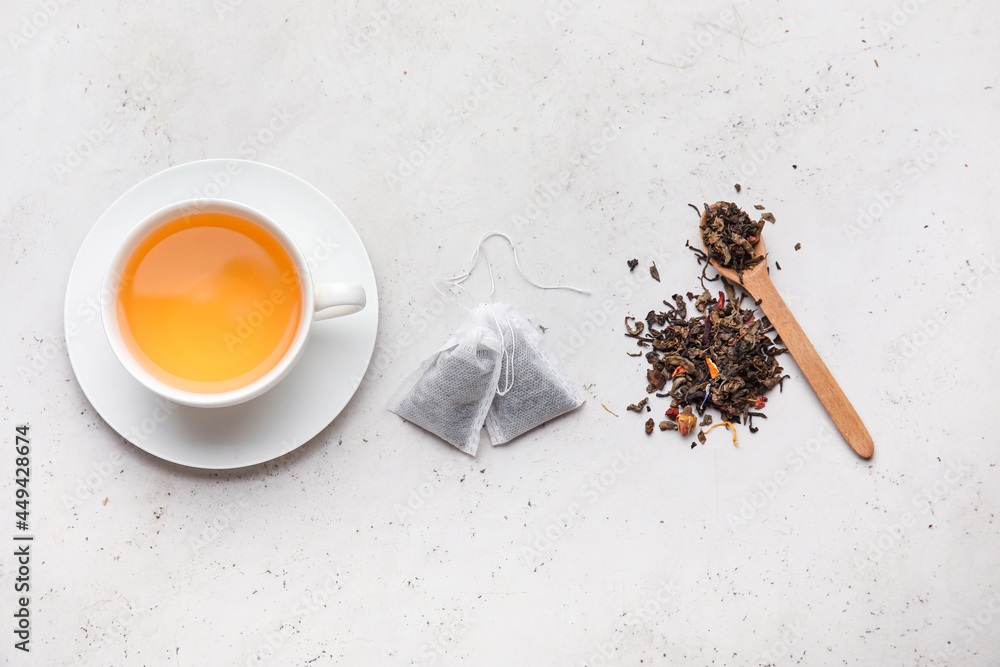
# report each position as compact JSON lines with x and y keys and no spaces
{"x":306,"y":401}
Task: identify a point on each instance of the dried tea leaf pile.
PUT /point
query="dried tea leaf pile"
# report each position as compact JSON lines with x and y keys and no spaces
{"x":721,"y":358}
{"x":729,"y":235}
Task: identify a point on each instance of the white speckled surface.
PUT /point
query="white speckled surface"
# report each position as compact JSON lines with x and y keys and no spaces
{"x":375,"y":543}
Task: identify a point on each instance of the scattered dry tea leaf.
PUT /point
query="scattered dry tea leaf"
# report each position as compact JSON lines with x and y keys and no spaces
{"x":649,"y":426}
{"x":635,"y":328}
{"x":637,"y":407}
{"x":653,"y":271}
{"x":632,"y":263}
{"x":798,"y":246}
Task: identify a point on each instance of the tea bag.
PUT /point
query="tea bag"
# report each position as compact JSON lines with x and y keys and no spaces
{"x":451,"y":392}
{"x":493,"y":370}
{"x":532,"y":389}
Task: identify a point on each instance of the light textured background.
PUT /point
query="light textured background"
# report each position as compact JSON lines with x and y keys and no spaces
{"x":377,"y":544}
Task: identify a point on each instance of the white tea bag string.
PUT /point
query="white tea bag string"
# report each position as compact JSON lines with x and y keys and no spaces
{"x":475,"y":258}
{"x":509,"y":374}
{"x":457,"y":281}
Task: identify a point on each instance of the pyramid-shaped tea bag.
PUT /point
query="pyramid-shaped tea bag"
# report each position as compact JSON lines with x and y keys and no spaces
{"x":532,"y":387}
{"x":451,"y":392}
{"x":494,"y":369}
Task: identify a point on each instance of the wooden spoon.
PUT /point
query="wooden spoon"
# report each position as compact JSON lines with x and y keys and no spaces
{"x":758,"y":283}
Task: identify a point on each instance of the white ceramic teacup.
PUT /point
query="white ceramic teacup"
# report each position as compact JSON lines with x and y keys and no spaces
{"x":319,"y":302}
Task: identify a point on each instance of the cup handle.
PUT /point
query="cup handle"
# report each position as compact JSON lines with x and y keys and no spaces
{"x":338,"y":299}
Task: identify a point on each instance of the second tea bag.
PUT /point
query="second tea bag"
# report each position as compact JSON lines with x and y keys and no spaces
{"x":532,"y":388}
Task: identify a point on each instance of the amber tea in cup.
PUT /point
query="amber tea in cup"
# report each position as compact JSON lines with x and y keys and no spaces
{"x":209,"y":302}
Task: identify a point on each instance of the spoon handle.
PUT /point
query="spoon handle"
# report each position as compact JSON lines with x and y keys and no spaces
{"x":829,"y":392}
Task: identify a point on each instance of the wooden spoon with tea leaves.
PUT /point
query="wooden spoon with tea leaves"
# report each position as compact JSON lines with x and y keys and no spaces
{"x":758,"y":283}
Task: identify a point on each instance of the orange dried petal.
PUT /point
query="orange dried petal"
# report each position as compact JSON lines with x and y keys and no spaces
{"x":727,"y":425}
